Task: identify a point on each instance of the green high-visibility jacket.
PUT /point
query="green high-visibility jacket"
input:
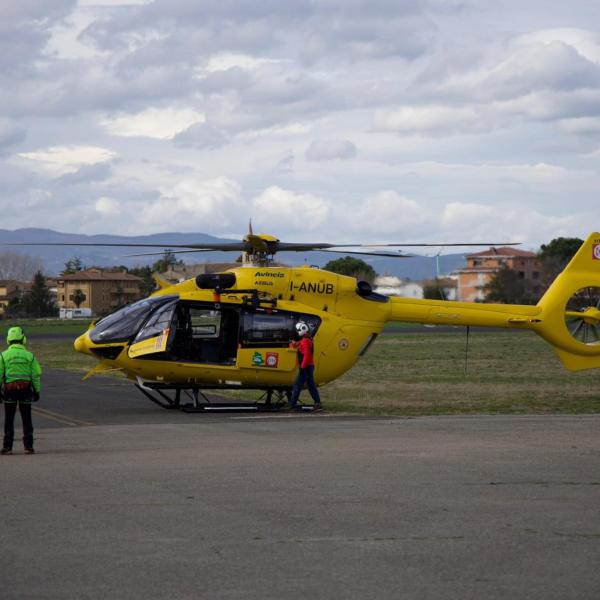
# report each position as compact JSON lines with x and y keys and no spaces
{"x":18,"y":364}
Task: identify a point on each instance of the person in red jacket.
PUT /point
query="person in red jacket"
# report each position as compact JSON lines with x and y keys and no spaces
{"x":307,"y":367}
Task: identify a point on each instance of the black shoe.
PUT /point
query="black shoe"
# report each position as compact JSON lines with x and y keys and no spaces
{"x":29,"y":451}
{"x":6,"y":451}
{"x":317,"y":407}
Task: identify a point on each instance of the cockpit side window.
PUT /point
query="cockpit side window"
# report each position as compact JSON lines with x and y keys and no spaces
{"x":123,"y":324}
{"x":158,"y":323}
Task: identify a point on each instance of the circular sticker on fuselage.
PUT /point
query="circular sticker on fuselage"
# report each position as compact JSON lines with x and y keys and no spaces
{"x":343,"y":344}
{"x":596,"y":251}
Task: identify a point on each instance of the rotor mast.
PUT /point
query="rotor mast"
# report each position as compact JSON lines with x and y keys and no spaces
{"x":259,"y":250}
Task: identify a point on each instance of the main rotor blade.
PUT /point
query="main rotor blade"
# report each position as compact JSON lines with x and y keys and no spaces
{"x":162,"y":253}
{"x":419,"y":245}
{"x":387,"y":255}
{"x":267,"y":246}
{"x":225,"y":246}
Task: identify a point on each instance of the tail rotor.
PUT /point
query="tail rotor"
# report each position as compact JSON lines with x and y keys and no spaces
{"x":582,"y":316}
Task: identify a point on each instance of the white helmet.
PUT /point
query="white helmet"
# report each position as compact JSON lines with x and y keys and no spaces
{"x":302,"y":328}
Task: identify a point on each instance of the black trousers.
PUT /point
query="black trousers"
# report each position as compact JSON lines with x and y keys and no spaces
{"x":10,"y":409}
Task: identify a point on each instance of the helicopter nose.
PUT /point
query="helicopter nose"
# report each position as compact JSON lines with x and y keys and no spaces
{"x":81,"y":344}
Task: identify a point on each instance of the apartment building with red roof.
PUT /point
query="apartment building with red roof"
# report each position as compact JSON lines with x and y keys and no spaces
{"x":104,"y":290}
{"x":481,"y":267}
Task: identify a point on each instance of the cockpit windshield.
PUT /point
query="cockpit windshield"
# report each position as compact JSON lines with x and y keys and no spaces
{"x":121,"y":325}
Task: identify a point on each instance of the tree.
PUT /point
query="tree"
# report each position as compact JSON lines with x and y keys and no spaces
{"x":78,"y":297}
{"x":563,"y":249}
{"x":148,"y":283}
{"x":433,"y":290}
{"x":16,"y":308}
{"x":507,"y":287}
{"x":167,"y":262}
{"x":73,"y":265}
{"x":18,"y":266}
{"x":555,"y":255}
{"x":353,"y":267}
{"x":38,"y":301}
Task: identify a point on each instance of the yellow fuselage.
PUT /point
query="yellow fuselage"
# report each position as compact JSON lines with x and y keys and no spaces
{"x":349,"y":321}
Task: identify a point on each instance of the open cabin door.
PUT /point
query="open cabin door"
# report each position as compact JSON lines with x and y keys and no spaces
{"x":218,"y":334}
{"x":189,"y":332}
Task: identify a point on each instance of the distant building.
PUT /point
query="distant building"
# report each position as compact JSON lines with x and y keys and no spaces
{"x":100,"y":290}
{"x":390,"y":285}
{"x":482,"y":266}
{"x":74,"y":313}
{"x":51,"y":284}
{"x":9,"y":289}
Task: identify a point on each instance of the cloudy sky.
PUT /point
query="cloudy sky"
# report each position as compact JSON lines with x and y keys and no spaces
{"x":322,"y":120}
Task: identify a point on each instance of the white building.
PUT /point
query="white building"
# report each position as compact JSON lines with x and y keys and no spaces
{"x":390,"y":285}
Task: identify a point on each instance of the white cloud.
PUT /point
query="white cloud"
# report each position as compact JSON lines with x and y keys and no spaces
{"x":430,"y":120}
{"x":108,"y":207}
{"x":65,"y":41}
{"x":10,"y":133}
{"x":465,"y":216}
{"x":537,"y":174}
{"x":389,"y":217}
{"x":587,"y":43}
{"x":202,"y":135}
{"x":287,"y":209}
{"x":223,"y":62}
{"x":60,"y":160}
{"x":320,"y":150}
{"x":95,"y":3}
{"x":386,"y":212}
{"x":504,"y":222}
{"x":286,"y":163}
{"x":159,"y":123}
{"x":581,"y":125}
{"x":195,"y":204}
{"x":460,"y":112}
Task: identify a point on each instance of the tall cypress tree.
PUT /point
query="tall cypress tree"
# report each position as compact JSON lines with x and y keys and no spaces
{"x":38,"y":301}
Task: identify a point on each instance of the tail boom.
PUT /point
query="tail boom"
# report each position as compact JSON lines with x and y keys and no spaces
{"x":440,"y":312}
{"x":550,"y":318}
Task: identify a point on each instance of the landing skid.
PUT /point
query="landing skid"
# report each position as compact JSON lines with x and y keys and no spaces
{"x":194,"y":400}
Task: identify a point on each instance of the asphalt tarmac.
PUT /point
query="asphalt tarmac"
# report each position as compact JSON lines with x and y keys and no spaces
{"x":127,"y":500}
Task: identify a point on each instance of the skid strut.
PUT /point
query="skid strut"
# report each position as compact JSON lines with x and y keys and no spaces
{"x":170,"y":397}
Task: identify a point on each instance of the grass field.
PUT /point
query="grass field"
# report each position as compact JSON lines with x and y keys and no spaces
{"x":45,"y":326}
{"x":507,"y":372}
{"x":424,"y":374}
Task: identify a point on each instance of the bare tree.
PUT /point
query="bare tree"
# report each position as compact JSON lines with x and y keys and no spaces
{"x":21,"y":267}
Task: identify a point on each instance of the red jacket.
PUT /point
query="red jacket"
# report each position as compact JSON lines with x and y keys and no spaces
{"x":305,"y":352}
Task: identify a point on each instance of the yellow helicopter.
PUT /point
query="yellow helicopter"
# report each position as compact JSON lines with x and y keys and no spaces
{"x":232,"y":330}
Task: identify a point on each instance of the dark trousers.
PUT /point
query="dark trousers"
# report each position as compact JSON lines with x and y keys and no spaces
{"x":10,"y":409}
{"x":305,"y":376}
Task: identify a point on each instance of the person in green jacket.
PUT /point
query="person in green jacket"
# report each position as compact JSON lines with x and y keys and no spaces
{"x":20,"y":376}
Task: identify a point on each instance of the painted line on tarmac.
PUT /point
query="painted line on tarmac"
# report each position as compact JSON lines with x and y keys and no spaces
{"x":62,"y":419}
{"x":286,"y":416}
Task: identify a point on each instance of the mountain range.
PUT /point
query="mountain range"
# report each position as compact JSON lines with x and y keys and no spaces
{"x":54,"y":257}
